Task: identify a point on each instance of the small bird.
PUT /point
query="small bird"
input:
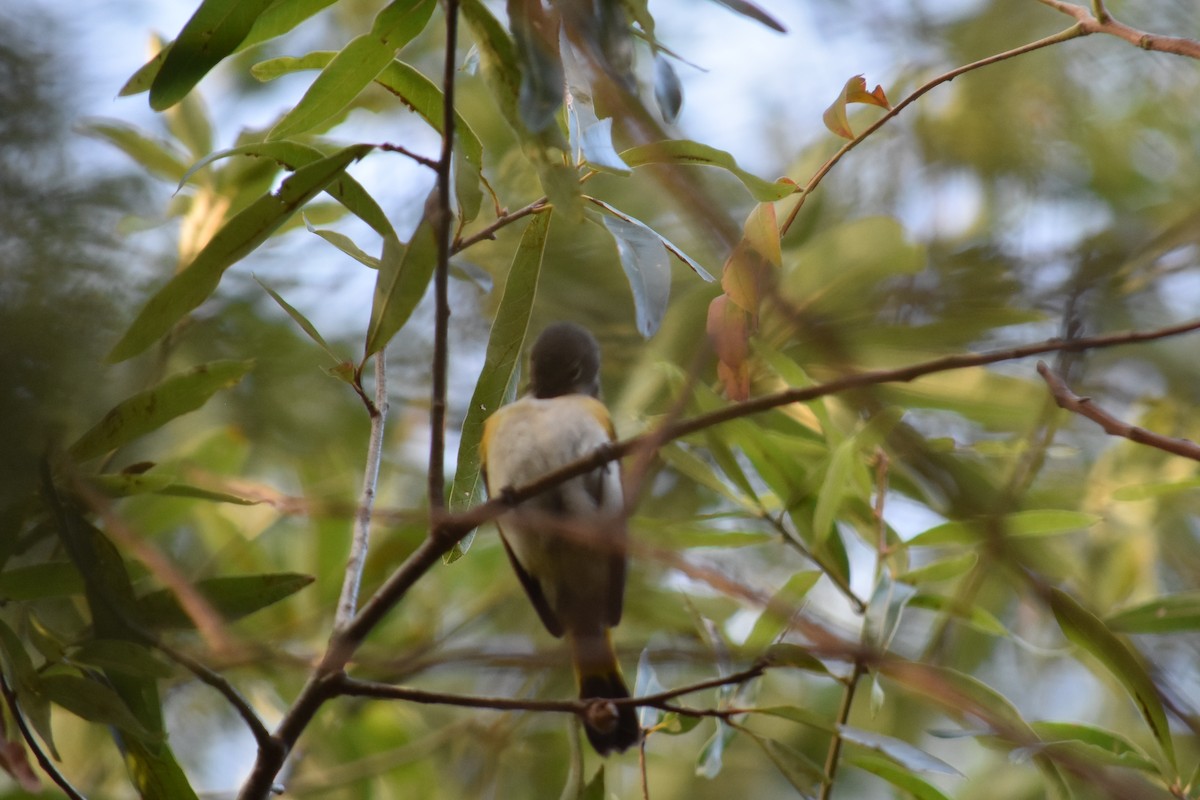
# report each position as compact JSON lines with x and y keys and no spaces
{"x":567,"y":544}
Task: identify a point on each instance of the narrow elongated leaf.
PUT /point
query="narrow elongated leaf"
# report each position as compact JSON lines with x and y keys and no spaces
{"x":233,"y":597}
{"x":213,"y":32}
{"x":1085,"y":630}
{"x":278,"y":19}
{"x":18,"y":668}
{"x":675,"y":251}
{"x":130,"y":658}
{"x":1176,"y":612}
{"x":236,"y":239}
{"x":294,"y":155}
{"x":36,"y":581}
{"x":686,"y":151}
{"x":358,"y":63}
{"x":896,"y":775}
{"x":799,"y":770}
{"x":158,"y":156}
{"x":401,"y":283}
{"x":1094,"y":744}
{"x":1046,"y":522}
{"x":505,"y":344}
{"x":898,"y":750}
{"x":884,"y":611}
{"x":647,"y":268}
{"x":978,"y":618}
{"x":546,"y":148}
{"x":834,"y":488}
{"x":941,"y":570}
{"x":151,"y":409}
{"x":93,"y":701}
{"x":301,"y":320}
{"x":770,"y":623}
{"x":535,"y":34}
{"x":752,"y":11}
{"x":668,"y":91}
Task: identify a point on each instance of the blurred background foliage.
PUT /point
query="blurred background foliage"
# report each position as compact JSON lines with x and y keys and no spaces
{"x":1051,"y":194}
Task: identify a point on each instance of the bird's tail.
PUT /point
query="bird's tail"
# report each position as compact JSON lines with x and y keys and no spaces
{"x":609,"y":728}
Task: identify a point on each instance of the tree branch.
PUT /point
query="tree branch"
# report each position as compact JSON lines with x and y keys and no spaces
{"x":1084,"y":407}
{"x":441,"y":276}
{"x":361,"y":537}
{"x":1070,"y":33}
{"x":541,"y":204}
{"x":10,"y":698}
{"x":1099,"y":20}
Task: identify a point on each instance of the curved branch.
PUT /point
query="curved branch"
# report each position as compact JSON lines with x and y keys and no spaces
{"x":1073,"y":32}
{"x":1084,"y":407}
{"x":10,"y":698}
{"x":1099,"y":20}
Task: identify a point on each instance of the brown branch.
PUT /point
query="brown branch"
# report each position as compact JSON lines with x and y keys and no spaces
{"x":404,"y":151}
{"x":833,"y":755}
{"x":539,"y":205}
{"x":1084,"y":407}
{"x":444,"y":228}
{"x":14,"y":708}
{"x":1070,"y":33}
{"x":1099,"y":20}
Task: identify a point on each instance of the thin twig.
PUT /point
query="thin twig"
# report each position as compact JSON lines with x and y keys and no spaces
{"x":1084,"y":407}
{"x":215,"y":680}
{"x":1070,"y":33}
{"x":10,"y":697}
{"x":441,"y":276}
{"x":1099,"y":20}
{"x":541,"y":204}
{"x":404,"y":151}
{"x":361,"y":537}
{"x":833,"y":755}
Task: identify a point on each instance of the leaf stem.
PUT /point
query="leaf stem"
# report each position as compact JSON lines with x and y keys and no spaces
{"x":833,"y":756}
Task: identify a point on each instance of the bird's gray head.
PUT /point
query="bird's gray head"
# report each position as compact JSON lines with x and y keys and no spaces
{"x":565,"y":360}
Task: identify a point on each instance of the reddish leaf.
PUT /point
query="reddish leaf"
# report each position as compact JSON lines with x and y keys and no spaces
{"x":855,"y":91}
{"x":15,"y":762}
{"x":729,"y":331}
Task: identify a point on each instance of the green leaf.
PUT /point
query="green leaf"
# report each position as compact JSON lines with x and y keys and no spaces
{"x":941,"y":570}
{"x":686,"y":151}
{"x":535,"y":34}
{"x":235,"y":240}
{"x":591,"y":138}
{"x":129,"y":658}
{"x":353,"y":69}
{"x":884,"y":611}
{"x":906,"y":755}
{"x":92,"y":701}
{"x":834,"y":488}
{"x":785,"y":654}
{"x":401,"y":282}
{"x":978,"y":618}
{"x":159,"y":157}
{"x":1176,"y":612}
{"x":546,"y":149}
{"x":711,"y":759}
{"x":675,"y":251}
{"x":125,"y":485}
{"x":278,"y":19}
{"x":770,"y":623}
{"x":595,"y":787}
{"x":500,"y":365}
{"x":799,"y":770}
{"x":1156,"y":489}
{"x":151,"y":409}
{"x":37,"y":581}
{"x":1094,"y":745}
{"x":958,"y":693}
{"x":301,"y":320}
{"x":1123,"y":662}
{"x":293,"y":155}
{"x":668,"y":90}
{"x":897,"y":776}
{"x":233,"y":597}
{"x":18,"y":667}
{"x":213,"y":32}
{"x":1048,"y":522}
{"x":647,"y":268}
